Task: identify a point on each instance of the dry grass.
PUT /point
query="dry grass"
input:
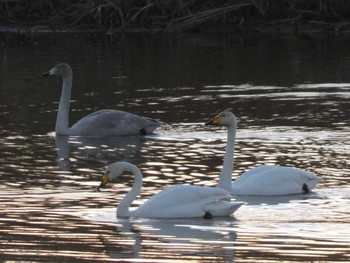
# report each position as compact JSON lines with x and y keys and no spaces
{"x":117,"y":15}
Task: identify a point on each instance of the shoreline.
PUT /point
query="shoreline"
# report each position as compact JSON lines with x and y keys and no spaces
{"x":284,"y":28}
{"x":284,"y":17}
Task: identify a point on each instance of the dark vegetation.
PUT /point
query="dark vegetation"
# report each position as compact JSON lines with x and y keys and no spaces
{"x":172,"y":15}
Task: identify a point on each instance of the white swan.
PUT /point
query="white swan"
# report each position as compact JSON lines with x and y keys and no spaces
{"x":172,"y":202}
{"x":99,"y":123}
{"x":261,"y":180}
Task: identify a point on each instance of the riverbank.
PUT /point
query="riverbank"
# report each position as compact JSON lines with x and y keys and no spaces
{"x":249,"y":28}
{"x":111,"y":17}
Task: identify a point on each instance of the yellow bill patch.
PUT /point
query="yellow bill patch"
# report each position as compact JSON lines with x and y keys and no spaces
{"x":105,"y":179}
{"x":217,"y":119}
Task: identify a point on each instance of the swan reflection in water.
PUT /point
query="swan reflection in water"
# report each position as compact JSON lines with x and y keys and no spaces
{"x":189,"y":238}
{"x":275,"y":199}
{"x":119,"y":147}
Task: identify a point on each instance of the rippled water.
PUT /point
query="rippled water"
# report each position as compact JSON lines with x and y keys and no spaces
{"x":290,"y":95}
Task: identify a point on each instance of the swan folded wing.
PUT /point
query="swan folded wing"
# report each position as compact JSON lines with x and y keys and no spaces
{"x":114,"y":123}
{"x":181,"y":201}
{"x":273,"y":180}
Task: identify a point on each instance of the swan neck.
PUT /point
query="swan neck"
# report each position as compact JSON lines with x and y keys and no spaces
{"x":225,"y":179}
{"x":62,"y":122}
{"x":123,"y":209}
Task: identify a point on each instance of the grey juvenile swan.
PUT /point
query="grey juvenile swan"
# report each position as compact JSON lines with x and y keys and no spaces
{"x":100,"y":123}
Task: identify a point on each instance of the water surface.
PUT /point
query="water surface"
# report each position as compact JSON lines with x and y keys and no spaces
{"x":292,"y":100}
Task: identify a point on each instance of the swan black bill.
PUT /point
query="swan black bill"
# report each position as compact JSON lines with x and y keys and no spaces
{"x":209,"y":122}
{"x":100,"y":186}
{"x":45,"y":74}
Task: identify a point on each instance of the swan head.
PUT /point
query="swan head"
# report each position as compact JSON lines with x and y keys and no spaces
{"x":61,"y":70}
{"x":113,"y":171}
{"x":225,"y":118}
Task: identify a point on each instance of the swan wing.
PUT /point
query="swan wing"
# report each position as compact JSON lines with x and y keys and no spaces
{"x":274,"y":180}
{"x":114,"y":123}
{"x":185,"y":201}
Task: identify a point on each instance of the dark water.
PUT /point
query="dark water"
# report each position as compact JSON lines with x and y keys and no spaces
{"x":290,"y":94}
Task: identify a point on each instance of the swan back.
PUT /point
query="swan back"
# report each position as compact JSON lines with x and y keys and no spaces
{"x":274,"y":180}
{"x":188,"y":201}
{"x":114,"y":123}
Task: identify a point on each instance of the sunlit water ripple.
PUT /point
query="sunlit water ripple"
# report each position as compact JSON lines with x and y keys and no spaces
{"x":52,"y":213}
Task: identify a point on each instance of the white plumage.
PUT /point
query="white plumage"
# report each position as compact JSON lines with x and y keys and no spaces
{"x":172,"y":202}
{"x":261,"y":180}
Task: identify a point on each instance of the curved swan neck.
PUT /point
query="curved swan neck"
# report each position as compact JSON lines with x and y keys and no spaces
{"x":227,"y":169}
{"x":62,"y":121}
{"x":123,"y":209}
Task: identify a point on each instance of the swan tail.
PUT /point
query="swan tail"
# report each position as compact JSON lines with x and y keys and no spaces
{"x":312,"y":181}
{"x":222,"y":208}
